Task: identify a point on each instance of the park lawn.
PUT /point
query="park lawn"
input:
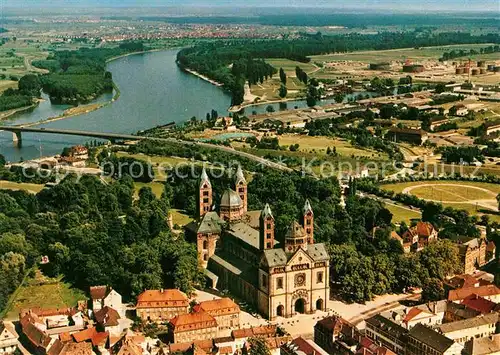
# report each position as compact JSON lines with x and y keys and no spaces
{"x":9,"y":185}
{"x":179,"y":217}
{"x":452,"y":193}
{"x":395,"y":54}
{"x":43,"y":292}
{"x":290,"y":65}
{"x":320,"y":144}
{"x":400,"y":214}
{"x":268,"y":90}
{"x":156,"y":187}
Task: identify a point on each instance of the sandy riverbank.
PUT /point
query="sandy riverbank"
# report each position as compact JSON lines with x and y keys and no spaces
{"x":7,"y":114}
{"x":213,"y":82}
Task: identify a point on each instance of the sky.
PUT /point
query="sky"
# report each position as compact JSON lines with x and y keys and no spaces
{"x":400,"y":5}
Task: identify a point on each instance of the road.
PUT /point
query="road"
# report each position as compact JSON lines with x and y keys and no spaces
{"x":118,"y":136}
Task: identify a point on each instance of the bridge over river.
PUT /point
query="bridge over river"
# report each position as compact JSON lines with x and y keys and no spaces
{"x":18,"y":130}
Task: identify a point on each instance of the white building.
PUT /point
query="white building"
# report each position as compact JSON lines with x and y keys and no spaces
{"x":8,"y":338}
{"x":467,"y":329}
{"x":102,"y":296}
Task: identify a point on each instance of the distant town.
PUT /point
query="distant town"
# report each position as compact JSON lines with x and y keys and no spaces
{"x":288,"y":184}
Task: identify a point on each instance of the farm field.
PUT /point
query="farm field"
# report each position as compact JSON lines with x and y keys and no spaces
{"x":395,"y":54}
{"x":9,"y":185}
{"x":43,"y":292}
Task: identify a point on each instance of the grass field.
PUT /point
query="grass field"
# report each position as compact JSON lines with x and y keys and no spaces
{"x":395,"y":54}
{"x":179,"y":217}
{"x":401,"y":214}
{"x":399,"y":187}
{"x":320,"y":144}
{"x":156,"y":187}
{"x":9,"y":185}
{"x":43,"y":292}
{"x":290,"y":65}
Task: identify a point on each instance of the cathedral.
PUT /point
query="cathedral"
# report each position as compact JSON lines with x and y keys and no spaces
{"x":240,"y":253}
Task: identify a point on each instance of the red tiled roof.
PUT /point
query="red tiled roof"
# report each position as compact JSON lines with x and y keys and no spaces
{"x":98,"y":292}
{"x":461,"y":281}
{"x":56,"y":348}
{"x":84,"y":335}
{"x":65,"y":337}
{"x":483,"y":291}
{"x":278,"y":342}
{"x":225,"y":350}
{"x":304,"y":346}
{"x":424,"y":229}
{"x":107,"y":316}
{"x":480,"y":304}
{"x":491,"y":246}
{"x":161,"y":298}
{"x":221,"y":306}
{"x":412,"y":313}
{"x":77,"y":349}
{"x":192,"y":321}
{"x":100,"y":338}
{"x":36,"y":336}
{"x":267,"y":331}
{"x":48,"y":312}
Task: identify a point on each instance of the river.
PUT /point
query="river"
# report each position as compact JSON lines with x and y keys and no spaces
{"x":154,"y":91}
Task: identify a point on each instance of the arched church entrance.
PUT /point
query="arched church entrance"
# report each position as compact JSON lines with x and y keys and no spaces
{"x":300,"y":306}
{"x":319,"y":304}
{"x":280,"y":311}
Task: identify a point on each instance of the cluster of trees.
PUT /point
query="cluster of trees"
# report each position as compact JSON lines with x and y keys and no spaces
{"x":301,"y":75}
{"x":95,"y":234}
{"x":18,"y":174}
{"x":443,"y":99}
{"x":464,"y":53}
{"x":446,"y":127}
{"x":80,"y":76}
{"x":460,"y":155}
{"x":29,"y":87}
{"x":116,"y":167}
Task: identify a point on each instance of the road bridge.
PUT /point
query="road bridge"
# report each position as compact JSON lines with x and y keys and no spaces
{"x":18,"y":130}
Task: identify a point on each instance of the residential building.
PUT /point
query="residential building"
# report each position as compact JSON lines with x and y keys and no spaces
{"x":8,"y":338}
{"x":161,"y":305}
{"x":419,"y":236}
{"x":224,"y":310}
{"x":458,"y":311}
{"x":386,"y":332}
{"x":430,"y":314}
{"x":477,"y":327}
{"x":490,"y":292}
{"x":461,"y":281}
{"x":412,"y":136}
{"x":331,"y":329}
{"x":425,"y":341}
{"x":108,"y":319}
{"x":301,"y":346}
{"x":39,"y":341}
{"x":481,"y":304}
{"x":242,"y":255}
{"x":187,"y":328}
{"x":472,"y":255}
{"x":102,"y":296}
{"x":483,"y":346}
{"x":369,"y":347}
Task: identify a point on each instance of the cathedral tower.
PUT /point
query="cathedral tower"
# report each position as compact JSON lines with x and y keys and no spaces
{"x":241,"y":187}
{"x":205,"y":194}
{"x":309,"y":222}
{"x":266,"y":228}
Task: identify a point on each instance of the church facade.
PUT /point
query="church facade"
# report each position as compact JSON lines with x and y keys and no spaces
{"x":240,"y":253}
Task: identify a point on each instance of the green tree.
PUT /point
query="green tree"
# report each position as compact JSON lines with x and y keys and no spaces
{"x":433,"y":290}
{"x":30,"y":85}
{"x":282,"y":76}
{"x":258,"y":346}
{"x":283,"y":91}
{"x":270,"y":108}
{"x":2,"y":161}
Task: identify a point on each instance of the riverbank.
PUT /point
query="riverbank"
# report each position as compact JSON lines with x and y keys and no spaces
{"x":201,"y":76}
{"x":238,"y":108}
{"x":7,"y":114}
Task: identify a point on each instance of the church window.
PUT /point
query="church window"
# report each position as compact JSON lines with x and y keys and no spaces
{"x":205,"y":200}
{"x":205,"y":244}
{"x":308,"y":230}
{"x":205,"y":257}
{"x":205,"y":193}
{"x":268,"y":226}
{"x":308,"y":222}
{"x":319,"y":277}
{"x":268,"y":236}
{"x":241,"y":189}
{"x":268,"y":246}
{"x":279,"y":283}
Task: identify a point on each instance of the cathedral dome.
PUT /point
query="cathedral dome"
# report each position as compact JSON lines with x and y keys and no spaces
{"x":230,"y":198}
